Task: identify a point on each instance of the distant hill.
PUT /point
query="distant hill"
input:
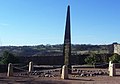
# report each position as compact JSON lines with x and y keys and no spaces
{"x":53,"y":50}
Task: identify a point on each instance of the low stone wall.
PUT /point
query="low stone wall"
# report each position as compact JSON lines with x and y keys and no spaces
{"x":117,"y":65}
{"x":58,"y":60}
{"x":52,"y":60}
{"x":3,"y":68}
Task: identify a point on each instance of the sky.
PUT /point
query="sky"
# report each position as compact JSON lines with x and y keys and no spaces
{"x":36,"y":22}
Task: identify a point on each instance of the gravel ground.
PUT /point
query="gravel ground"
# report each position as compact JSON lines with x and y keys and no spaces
{"x":57,"y":80}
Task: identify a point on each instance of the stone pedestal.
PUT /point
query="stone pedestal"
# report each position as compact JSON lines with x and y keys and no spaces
{"x":109,"y":65}
{"x":10,"y":70}
{"x":30,"y":66}
{"x":112,"y":71}
{"x":64,"y":74}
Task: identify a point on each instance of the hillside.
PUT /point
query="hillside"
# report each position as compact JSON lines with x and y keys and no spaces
{"x":54,"y":50}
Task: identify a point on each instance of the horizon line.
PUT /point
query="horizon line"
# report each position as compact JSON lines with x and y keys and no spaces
{"x":60,"y":44}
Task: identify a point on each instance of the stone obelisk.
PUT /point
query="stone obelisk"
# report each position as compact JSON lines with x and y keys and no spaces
{"x":67,"y":42}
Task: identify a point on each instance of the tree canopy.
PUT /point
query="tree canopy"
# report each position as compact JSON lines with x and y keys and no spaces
{"x":92,"y":59}
{"x":8,"y":57}
{"x":115,"y":58}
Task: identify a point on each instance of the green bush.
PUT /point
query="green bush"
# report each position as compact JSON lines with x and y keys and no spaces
{"x":8,"y":57}
{"x":92,"y":59}
{"x":115,"y":58}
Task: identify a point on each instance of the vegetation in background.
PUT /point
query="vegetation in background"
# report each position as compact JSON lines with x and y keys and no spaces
{"x":115,"y":58}
{"x":54,"y":50}
{"x":8,"y":57}
{"x":92,"y":59}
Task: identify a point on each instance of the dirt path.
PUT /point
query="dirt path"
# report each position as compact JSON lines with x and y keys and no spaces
{"x":57,"y":80}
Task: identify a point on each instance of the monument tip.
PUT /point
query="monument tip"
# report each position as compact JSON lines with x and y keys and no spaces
{"x":68,"y":6}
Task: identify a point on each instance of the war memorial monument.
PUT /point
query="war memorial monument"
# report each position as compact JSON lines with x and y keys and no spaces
{"x":66,"y":74}
{"x":67,"y":42}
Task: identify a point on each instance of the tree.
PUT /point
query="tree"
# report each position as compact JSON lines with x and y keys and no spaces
{"x":104,"y":58}
{"x":8,"y":57}
{"x":92,"y":59}
{"x":115,"y":58}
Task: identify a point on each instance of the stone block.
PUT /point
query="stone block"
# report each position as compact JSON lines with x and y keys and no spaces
{"x":112,"y":71}
{"x":30,"y":66}
{"x":10,"y":70}
{"x":64,"y":74}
